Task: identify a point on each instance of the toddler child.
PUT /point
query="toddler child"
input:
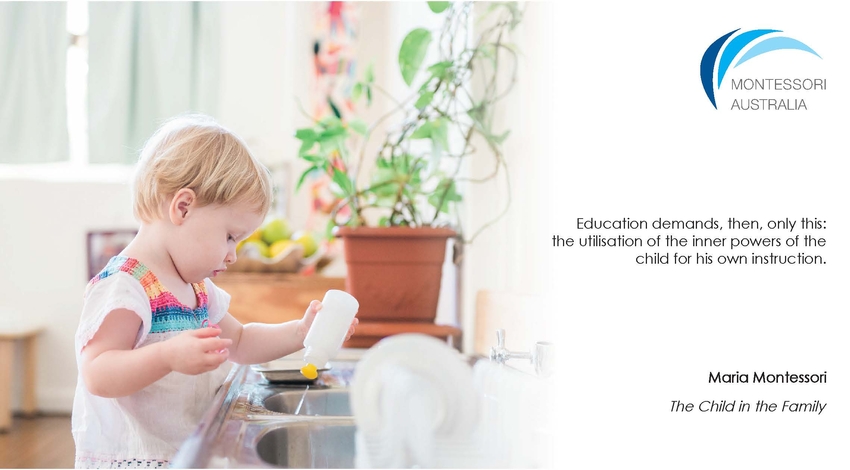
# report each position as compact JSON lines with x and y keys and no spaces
{"x":155,"y":334}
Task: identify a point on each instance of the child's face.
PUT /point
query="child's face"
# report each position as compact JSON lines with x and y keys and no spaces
{"x":206,"y":241}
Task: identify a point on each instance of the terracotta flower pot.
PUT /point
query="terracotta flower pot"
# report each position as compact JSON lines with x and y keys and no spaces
{"x":395,"y":272}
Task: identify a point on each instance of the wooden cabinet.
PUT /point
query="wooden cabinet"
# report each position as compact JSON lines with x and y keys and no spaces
{"x":273,"y":297}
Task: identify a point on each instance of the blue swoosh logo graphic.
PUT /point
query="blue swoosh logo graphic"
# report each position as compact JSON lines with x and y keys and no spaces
{"x":735,"y":46}
{"x":774,"y":44}
{"x":706,"y":66}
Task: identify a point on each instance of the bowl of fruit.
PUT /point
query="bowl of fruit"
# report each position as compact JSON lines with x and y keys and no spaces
{"x":274,"y":247}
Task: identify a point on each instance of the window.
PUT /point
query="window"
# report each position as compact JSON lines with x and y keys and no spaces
{"x":150,"y":61}
{"x":76,"y":80}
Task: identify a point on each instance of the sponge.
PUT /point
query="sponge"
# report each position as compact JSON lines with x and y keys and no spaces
{"x":309,"y":371}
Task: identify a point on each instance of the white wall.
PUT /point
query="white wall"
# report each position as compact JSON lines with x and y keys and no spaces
{"x":44,"y":273}
{"x":45,"y":215}
{"x":510,"y":255}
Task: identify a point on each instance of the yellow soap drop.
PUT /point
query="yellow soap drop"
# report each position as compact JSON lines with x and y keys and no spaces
{"x":309,"y":371}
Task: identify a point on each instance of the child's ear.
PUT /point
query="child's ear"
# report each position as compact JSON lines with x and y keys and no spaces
{"x":182,"y":202}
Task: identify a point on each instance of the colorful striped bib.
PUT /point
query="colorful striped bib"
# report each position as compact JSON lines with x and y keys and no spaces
{"x":167,"y":313}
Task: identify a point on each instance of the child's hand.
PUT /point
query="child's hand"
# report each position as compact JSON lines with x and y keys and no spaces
{"x":354,"y":323}
{"x":310,"y":315}
{"x":195,"y":352}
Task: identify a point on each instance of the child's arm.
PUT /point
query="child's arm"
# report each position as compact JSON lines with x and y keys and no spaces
{"x":261,"y":342}
{"x":111,"y":368}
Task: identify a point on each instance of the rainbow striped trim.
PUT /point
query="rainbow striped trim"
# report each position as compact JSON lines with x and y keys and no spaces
{"x":167,"y":313}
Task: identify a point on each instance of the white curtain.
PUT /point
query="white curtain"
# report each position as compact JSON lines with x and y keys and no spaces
{"x":147,"y":62}
{"x":33,"y":47}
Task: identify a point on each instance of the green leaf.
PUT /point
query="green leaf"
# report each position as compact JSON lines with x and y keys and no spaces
{"x":358,"y":126}
{"x":342,"y":180}
{"x":306,"y":134}
{"x":370,"y":74}
{"x":384,"y":221}
{"x":477,"y":114}
{"x":424,"y":99}
{"x":416,"y":174}
{"x":498,"y":139}
{"x":306,"y":146}
{"x":437,"y":131}
{"x":444,"y":195}
{"x":426,"y":85}
{"x":330,"y":121}
{"x":327,"y":146}
{"x":356,"y":91}
{"x":368,"y":95}
{"x":384,"y":174}
{"x":304,"y":175}
{"x":403,"y":164}
{"x":329,"y":229}
{"x":385,"y":182}
{"x":438,"y":7}
{"x":423,"y":132}
{"x":314,"y":159}
{"x":439,"y":69}
{"x":334,"y":108}
{"x":440,"y":133}
{"x":331,"y":132}
{"x":412,"y":53}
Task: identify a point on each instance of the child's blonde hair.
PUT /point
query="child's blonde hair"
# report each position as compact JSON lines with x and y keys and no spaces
{"x":193,"y":151}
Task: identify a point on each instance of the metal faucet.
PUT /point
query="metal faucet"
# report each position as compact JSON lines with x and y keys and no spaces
{"x":541,"y":357}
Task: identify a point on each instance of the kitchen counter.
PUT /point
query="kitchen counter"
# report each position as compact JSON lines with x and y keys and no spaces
{"x":239,"y":431}
{"x":254,"y":424}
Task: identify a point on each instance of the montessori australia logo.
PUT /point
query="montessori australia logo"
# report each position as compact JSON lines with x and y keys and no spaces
{"x":721,"y":54}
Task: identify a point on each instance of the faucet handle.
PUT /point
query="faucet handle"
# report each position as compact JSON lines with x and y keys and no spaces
{"x":544,"y":358}
{"x":541,"y":356}
{"x":498,"y":353}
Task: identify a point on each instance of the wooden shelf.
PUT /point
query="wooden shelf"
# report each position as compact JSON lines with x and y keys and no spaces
{"x":9,"y":335}
{"x":369,"y":333}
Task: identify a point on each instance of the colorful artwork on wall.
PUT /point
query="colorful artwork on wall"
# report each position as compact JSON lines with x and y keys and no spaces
{"x":334,"y":68}
{"x":334,"y":62}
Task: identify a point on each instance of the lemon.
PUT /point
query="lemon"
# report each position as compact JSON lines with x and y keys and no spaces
{"x":306,"y":240}
{"x":309,"y":371}
{"x":279,"y":247}
{"x":256,"y":235}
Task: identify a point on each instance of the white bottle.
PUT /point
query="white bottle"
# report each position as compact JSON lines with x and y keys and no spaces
{"x":329,"y":328}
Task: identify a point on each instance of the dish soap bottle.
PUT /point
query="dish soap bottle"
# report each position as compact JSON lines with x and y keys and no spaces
{"x":328,"y":330}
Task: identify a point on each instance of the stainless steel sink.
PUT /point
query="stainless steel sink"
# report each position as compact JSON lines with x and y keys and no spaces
{"x":309,"y":445}
{"x":310,"y":402}
{"x":259,"y":425}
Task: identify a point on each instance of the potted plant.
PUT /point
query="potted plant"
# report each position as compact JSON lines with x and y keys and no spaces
{"x":395,"y":210}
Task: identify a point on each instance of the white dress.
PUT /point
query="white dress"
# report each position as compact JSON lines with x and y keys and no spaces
{"x":145,"y":429}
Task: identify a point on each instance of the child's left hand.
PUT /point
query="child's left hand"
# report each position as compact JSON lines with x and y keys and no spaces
{"x":310,"y":315}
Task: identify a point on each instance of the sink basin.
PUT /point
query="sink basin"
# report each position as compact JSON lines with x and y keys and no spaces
{"x":317,"y":402}
{"x":309,"y":445}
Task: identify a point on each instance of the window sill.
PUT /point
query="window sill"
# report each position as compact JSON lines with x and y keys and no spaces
{"x":66,"y":172}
